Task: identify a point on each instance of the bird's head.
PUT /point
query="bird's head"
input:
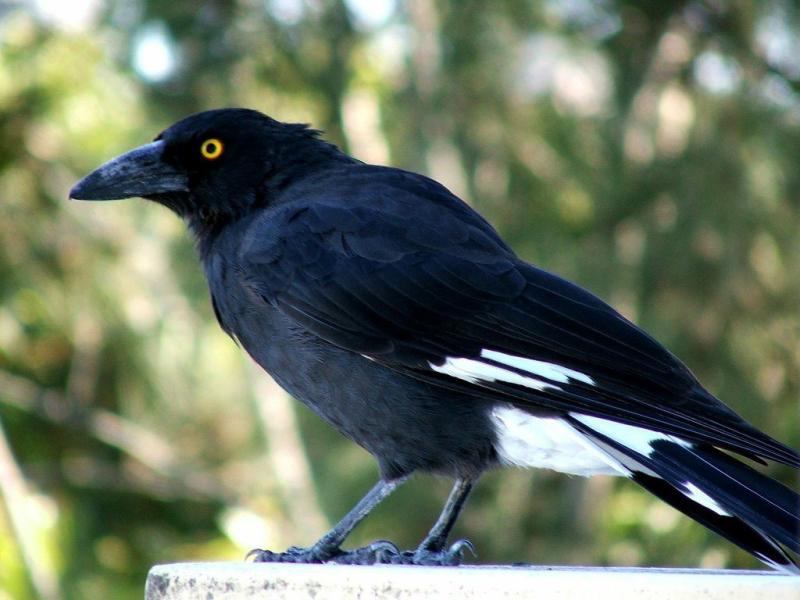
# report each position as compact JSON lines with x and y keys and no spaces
{"x":211,"y":167}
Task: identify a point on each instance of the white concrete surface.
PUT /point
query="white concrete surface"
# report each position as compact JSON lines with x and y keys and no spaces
{"x":239,"y":580}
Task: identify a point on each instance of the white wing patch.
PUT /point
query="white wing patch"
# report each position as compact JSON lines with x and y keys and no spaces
{"x":475,"y":371}
{"x":641,"y":439}
{"x":695,"y":493}
{"x":636,"y":438}
{"x":542,"y":375}
{"x":540,"y":368}
{"x":524,"y":440}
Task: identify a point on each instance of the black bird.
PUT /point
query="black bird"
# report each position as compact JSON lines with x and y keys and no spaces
{"x":397,"y":313}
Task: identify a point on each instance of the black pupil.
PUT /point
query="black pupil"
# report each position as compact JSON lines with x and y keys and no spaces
{"x":211,"y":148}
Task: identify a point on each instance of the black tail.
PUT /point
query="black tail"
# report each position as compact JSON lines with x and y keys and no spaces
{"x":751,"y":510}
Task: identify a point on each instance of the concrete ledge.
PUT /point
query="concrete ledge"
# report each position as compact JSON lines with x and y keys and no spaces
{"x":235,"y":581}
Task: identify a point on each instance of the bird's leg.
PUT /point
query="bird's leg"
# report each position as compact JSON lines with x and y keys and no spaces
{"x":437,"y":536}
{"x":432,"y":550}
{"x":328,"y":548}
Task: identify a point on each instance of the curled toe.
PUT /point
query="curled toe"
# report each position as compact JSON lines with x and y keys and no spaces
{"x":291,"y":555}
{"x":451,"y":557}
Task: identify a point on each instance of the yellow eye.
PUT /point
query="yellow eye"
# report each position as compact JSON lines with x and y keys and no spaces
{"x":212,"y":148}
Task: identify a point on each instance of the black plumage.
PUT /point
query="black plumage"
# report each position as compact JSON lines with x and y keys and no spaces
{"x":398,"y":314}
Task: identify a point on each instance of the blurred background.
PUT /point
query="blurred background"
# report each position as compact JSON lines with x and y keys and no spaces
{"x":646,"y":150}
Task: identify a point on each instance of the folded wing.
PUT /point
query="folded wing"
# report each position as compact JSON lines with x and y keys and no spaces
{"x":407,"y":275}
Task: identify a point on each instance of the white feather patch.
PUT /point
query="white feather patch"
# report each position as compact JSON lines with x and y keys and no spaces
{"x":475,"y":370}
{"x":525,"y":440}
{"x":641,"y":440}
{"x":693,"y":492}
{"x":540,"y":368}
{"x":636,"y":438}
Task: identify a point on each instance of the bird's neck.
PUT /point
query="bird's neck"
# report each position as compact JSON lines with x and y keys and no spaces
{"x":206,"y":229}
{"x":299,"y":158}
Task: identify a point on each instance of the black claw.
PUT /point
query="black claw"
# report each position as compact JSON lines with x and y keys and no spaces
{"x":451,"y":557}
{"x":379,"y":552}
{"x":259,"y":555}
{"x":461,"y":544}
{"x":383,"y":550}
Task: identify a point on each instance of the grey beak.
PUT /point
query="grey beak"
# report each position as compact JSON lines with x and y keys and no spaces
{"x":140,"y":172}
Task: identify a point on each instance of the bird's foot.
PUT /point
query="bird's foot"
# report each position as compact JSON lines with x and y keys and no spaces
{"x":315,"y":554}
{"x":381,"y":552}
{"x":386,"y":553}
{"x":445,"y":557}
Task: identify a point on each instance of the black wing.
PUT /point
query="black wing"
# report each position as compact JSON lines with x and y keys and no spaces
{"x":392,"y":266}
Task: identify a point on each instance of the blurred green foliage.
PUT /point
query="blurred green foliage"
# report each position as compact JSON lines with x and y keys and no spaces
{"x":646,"y":150}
